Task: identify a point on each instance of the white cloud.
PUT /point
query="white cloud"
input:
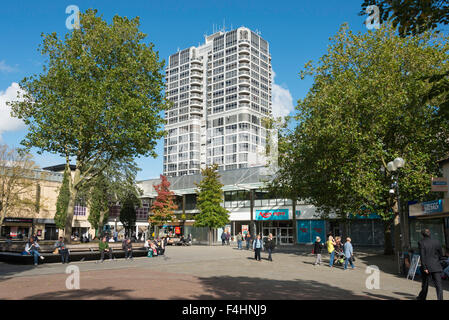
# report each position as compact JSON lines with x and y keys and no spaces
{"x":5,"y":68}
{"x":282,"y":100}
{"x":8,"y":123}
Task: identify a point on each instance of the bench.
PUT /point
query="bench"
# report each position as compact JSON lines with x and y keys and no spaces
{"x":76,"y":254}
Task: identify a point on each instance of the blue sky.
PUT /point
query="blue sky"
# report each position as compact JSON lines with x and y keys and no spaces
{"x":298,"y":31}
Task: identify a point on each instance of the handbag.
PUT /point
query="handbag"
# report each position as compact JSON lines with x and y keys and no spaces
{"x":56,"y":251}
{"x":352,"y":258}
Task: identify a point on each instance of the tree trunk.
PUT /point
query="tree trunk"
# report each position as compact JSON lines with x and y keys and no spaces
{"x":100,"y":220}
{"x":210,"y":236}
{"x":388,"y":247}
{"x":73,"y":187}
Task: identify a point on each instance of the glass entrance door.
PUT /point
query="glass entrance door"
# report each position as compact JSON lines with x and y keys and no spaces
{"x":281,"y":236}
{"x":286,"y":235}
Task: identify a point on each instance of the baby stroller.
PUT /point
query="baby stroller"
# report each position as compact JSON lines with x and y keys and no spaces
{"x":339,"y":258}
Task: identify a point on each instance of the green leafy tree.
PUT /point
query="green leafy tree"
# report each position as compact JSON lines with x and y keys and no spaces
{"x":99,"y":98}
{"x":128,"y":214}
{"x":364,"y":109}
{"x":63,"y":200}
{"x":411,"y":16}
{"x":98,"y":199}
{"x":210,"y":198}
{"x":115,"y":182}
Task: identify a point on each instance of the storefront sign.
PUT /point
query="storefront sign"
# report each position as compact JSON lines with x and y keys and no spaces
{"x":244,"y":229}
{"x":439,"y":185}
{"x":177,"y":230}
{"x":18,"y":220}
{"x":426,"y":208}
{"x":298,"y":214}
{"x":432,"y":206}
{"x":279,"y":214}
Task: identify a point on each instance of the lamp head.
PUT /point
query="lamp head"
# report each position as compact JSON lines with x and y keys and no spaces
{"x":391,"y":166}
{"x":399,"y":162}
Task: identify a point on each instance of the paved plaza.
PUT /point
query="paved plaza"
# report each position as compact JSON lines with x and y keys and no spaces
{"x":202,"y":272}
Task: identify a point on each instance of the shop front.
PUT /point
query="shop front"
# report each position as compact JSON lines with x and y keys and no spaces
{"x":17,"y":228}
{"x":432,"y":215}
{"x":278,"y":223}
{"x":46,"y":229}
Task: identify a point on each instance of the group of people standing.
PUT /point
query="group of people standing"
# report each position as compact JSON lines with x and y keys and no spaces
{"x":257,"y":244}
{"x":336,"y":250}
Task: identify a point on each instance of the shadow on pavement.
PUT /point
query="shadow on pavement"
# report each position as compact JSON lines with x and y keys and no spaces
{"x":245,"y":288}
{"x":9,"y":270}
{"x":105,"y":293}
{"x":381,"y":296}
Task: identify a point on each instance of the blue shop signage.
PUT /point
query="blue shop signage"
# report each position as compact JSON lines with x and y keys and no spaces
{"x":277,"y":214}
{"x":432,"y":206}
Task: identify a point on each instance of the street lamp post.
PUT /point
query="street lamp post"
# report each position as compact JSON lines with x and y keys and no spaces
{"x":393,"y":167}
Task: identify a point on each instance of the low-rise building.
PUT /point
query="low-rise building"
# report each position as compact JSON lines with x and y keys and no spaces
{"x":251,"y":208}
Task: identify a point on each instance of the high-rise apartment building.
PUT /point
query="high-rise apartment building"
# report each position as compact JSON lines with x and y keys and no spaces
{"x":221,"y":94}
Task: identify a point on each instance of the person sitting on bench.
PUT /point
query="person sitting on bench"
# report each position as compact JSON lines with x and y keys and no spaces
{"x":128,"y":247}
{"x":104,"y":247}
{"x":63,"y":251}
{"x":147,"y":245}
{"x":32,"y":248}
{"x":182,"y":241}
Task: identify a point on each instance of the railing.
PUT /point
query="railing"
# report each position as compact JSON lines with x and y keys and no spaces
{"x":196,"y":73}
{"x":196,"y":95}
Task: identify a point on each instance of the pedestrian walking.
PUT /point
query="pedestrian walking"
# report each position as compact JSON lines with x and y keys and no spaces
{"x":63,"y":251}
{"x":115,"y":236}
{"x":257,"y":247}
{"x":431,"y":253}
{"x":239,"y":241}
{"x":349,"y":253}
{"x":32,"y":248}
{"x":317,"y":247}
{"x":223,"y":238}
{"x":228,"y":237}
{"x":269,"y":245}
{"x":103,"y":246}
{"x":248,"y":240}
{"x":331,"y":249}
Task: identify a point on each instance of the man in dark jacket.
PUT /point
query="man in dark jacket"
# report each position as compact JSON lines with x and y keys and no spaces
{"x":269,"y":244}
{"x":223,"y":238}
{"x":430,"y":252}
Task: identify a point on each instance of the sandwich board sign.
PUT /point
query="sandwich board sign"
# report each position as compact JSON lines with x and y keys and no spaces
{"x":413,"y":267}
